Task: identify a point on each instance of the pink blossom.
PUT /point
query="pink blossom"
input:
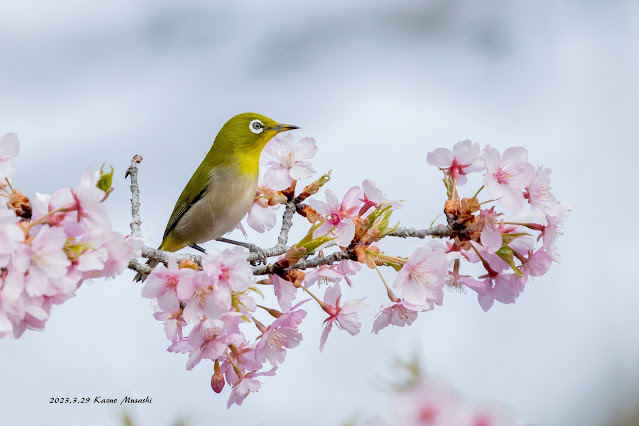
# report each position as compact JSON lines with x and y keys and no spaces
{"x":246,"y":385}
{"x":261,"y":216}
{"x":173,"y":323}
{"x":210,"y":339}
{"x":503,"y":288}
{"x":422,"y":277}
{"x":372,"y":196}
{"x":329,"y":274}
{"x":398,"y":313}
{"x":286,"y":160}
{"x":162,"y":284}
{"x":204,"y":295}
{"x":44,"y":259}
{"x":465,"y":158}
{"x":11,"y":235}
{"x":345,"y":315}
{"x":430,"y":402}
{"x":506,"y":177}
{"x":229,"y":266}
{"x":12,"y":309}
{"x":537,"y":263}
{"x":284,"y":291}
{"x":281,"y":334}
{"x":538,"y":194}
{"x":243,"y":356}
{"x":9,"y":147}
{"x":338,"y":222}
{"x":490,"y":235}
{"x":551,"y":231}
{"x":121,"y":250}
{"x":86,"y":201}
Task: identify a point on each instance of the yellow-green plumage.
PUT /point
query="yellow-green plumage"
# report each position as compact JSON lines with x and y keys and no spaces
{"x":222,"y":189}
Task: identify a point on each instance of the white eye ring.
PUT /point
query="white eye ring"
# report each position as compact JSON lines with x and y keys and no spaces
{"x":256,"y":126}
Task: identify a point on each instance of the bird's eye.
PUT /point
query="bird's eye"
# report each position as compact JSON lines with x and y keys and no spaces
{"x":256,"y":126}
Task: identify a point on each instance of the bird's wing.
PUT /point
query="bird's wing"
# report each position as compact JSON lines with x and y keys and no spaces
{"x":192,"y":192}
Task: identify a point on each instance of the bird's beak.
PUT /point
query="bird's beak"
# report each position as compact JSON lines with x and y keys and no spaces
{"x":283,"y":127}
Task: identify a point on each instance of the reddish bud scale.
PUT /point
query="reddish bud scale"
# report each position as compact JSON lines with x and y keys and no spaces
{"x":290,"y":191}
{"x":370,"y":237}
{"x":20,"y":204}
{"x":308,"y":212}
{"x":187,"y":263}
{"x":294,"y":276}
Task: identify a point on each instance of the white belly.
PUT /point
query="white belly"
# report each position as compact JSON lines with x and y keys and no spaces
{"x":227,"y":199}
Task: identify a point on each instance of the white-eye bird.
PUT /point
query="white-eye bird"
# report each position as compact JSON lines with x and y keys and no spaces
{"x":222,"y":189}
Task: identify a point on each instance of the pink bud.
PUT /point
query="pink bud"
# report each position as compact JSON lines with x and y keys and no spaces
{"x":217,"y":380}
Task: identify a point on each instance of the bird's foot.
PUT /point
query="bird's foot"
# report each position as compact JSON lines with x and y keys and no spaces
{"x":198,"y":248}
{"x":262,"y":257}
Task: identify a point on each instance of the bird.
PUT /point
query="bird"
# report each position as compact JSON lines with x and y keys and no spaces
{"x":222,"y":189}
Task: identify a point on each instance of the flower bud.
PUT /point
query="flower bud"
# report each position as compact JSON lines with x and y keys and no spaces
{"x":217,"y":380}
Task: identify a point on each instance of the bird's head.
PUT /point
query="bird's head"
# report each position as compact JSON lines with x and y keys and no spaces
{"x":248,"y":133}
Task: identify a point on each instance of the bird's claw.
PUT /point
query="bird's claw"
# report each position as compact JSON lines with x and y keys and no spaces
{"x":262,"y":257}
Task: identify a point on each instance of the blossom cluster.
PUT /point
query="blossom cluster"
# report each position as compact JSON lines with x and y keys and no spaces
{"x":425,"y":400}
{"x":511,"y":237}
{"x":515,"y":239}
{"x":212,"y":302}
{"x":50,"y":245}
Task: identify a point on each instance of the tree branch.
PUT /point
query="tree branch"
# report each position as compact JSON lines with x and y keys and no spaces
{"x":441,"y":231}
{"x":278,"y":250}
{"x":132,"y":171}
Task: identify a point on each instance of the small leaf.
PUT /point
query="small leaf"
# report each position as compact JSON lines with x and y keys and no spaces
{"x":106,"y":178}
{"x":506,"y":253}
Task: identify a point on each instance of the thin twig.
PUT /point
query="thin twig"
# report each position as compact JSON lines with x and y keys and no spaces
{"x":132,"y":171}
{"x":287,"y":222}
{"x":435,"y":231}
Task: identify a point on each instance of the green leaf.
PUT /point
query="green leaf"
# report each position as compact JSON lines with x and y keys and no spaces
{"x":506,"y":253}
{"x":397,"y":267}
{"x":106,"y":178}
{"x":509,"y":238}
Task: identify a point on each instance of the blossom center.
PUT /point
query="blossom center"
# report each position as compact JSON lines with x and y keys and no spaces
{"x":334,"y":219}
{"x":419,"y":275}
{"x":503,"y":175}
{"x":276,"y":340}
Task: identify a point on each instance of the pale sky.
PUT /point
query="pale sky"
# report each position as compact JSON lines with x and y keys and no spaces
{"x":379,"y":85}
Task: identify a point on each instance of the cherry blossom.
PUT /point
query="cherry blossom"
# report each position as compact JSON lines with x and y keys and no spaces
{"x":246,"y":385}
{"x":204,"y":295}
{"x":508,"y":175}
{"x":261,"y":216}
{"x":209,"y":339}
{"x":372,"y":196}
{"x":422,"y":277}
{"x":162,"y":284}
{"x":9,"y":147}
{"x":286,"y":159}
{"x":490,"y":235}
{"x":284,"y":291}
{"x":338,"y":215}
{"x":538,"y":194}
{"x":464,"y":158}
{"x":346,"y":315}
{"x":229,"y":266}
{"x":278,"y":336}
{"x":399,"y":313}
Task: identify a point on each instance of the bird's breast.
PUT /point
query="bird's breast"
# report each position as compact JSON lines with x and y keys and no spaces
{"x":228,"y":197}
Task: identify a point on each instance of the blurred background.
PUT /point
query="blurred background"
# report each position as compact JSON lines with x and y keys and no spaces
{"x":378,"y":84}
